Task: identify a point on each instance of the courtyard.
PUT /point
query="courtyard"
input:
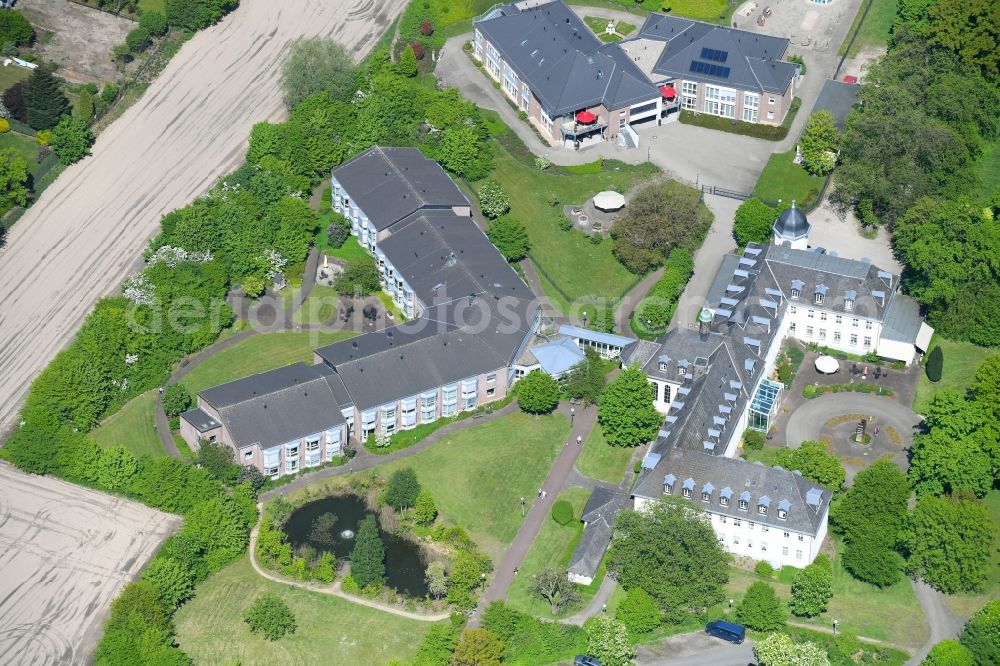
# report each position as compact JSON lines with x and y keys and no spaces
{"x":66,"y":552}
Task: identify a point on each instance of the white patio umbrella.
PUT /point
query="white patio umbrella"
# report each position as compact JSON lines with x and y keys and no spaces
{"x":609,"y":200}
{"x":827,"y":365}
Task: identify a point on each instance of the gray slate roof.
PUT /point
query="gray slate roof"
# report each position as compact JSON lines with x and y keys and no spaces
{"x":902,"y":319}
{"x":791,"y":224}
{"x":444,"y":256}
{"x":390,"y":183}
{"x":566,"y":66}
{"x":753,"y":61}
{"x":599,"y":516}
{"x":277,"y":406}
{"x":838,"y":98}
{"x":758,"y":483}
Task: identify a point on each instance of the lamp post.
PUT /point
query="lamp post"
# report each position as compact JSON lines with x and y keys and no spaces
{"x":835,"y":627}
{"x":730,"y":604}
{"x":572,"y":416}
{"x":522,"y":507}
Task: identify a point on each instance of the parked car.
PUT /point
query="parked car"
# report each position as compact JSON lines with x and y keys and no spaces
{"x":727,"y":631}
{"x":586,"y":660}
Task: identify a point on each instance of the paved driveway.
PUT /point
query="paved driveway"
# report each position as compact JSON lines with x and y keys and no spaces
{"x":189,"y":128}
{"x":695,"y":649}
{"x":65,"y":553}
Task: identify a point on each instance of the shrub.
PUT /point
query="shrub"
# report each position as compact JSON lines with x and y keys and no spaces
{"x":270,"y":616}
{"x":403,"y":489}
{"x":109,"y":93}
{"x":15,"y":29}
{"x":13,"y":101}
{"x":949,"y":652}
{"x":4,"y":126}
{"x":426,"y":28}
{"x":337,"y":233}
{"x":176,"y":399}
{"x":753,"y":440}
{"x":638,"y":612}
{"x":562,"y":512}
{"x":812,"y":588}
{"x":407,"y":64}
{"x":982,"y":633}
{"x":154,"y":22}
{"x":510,"y":238}
{"x":137,"y":39}
{"x":493,"y":200}
{"x":760,"y":608}
{"x":935,"y":364}
{"x":537,"y":392}
{"x":425,"y":509}
{"x":43,"y":137}
{"x":764,"y":569}
{"x":418,"y":50}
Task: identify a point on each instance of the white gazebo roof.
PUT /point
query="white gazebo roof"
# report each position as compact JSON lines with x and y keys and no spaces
{"x":609,"y":200}
{"x":827,"y":365}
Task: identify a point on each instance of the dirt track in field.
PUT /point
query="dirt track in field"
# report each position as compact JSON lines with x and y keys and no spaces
{"x":191,"y":127}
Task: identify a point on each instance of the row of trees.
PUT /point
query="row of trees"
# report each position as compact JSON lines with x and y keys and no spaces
{"x":909,"y":155}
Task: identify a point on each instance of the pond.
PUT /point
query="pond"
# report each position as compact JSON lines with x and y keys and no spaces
{"x":404,"y":561}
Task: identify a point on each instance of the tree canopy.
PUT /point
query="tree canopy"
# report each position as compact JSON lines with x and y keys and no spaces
{"x":315,"y":65}
{"x":270,"y":616}
{"x":815,"y":462}
{"x":981,"y":634}
{"x":537,"y":392}
{"x":403,"y":489}
{"x":812,"y":588}
{"x":626,"y":411}
{"x":819,"y":143}
{"x":15,"y":28}
{"x":950,"y":541}
{"x":760,"y":608}
{"x":510,"y":237}
{"x":368,"y":556}
{"x":753,"y":222}
{"x":13,"y":179}
{"x":45,"y":99}
{"x":71,"y":139}
{"x":670,"y":550}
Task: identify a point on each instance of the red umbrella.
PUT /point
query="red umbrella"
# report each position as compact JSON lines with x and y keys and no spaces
{"x":585,"y":117}
{"x":668,"y":92}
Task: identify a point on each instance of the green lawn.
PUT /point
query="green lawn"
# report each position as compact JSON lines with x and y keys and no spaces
{"x":599,"y":460}
{"x":11,"y":74}
{"x":319,"y":308}
{"x":876,"y":28}
{"x":25,"y":146}
{"x":258,"y":353}
{"x":551,"y":548}
{"x":578,"y":267}
{"x":330,"y":630}
{"x":599,"y":25}
{"x":133,"y":426}
{"x":152,"y":5}
{"x":782,"y":179}
{"x":967,"y":604}
{"x":988,"y":168}
{"x":891,"y":614}
{"x":961,"y":361}
{"x":765,"y":455}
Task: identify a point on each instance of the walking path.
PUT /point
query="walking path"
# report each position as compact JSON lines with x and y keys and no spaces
{"x":334,"y":589}
{"x":365,"y":459}
{"x":598,"y":604}
{"x":627,"y":305}
{"x":942,"y":622}
{"x":512,"y":558}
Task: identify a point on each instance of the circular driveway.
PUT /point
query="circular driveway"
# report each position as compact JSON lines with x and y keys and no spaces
{"x":808,"y":421}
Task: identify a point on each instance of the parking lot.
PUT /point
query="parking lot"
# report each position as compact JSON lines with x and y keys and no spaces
{"x":65,"y":553}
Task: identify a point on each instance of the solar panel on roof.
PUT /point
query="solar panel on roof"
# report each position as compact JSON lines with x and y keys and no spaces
{"x":714,"y":55}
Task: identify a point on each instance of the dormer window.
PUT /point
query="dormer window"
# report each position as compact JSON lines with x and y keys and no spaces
{"x":668,"y":484}
{"x":795,"y":292}
{"x":761,"y":509}
{"x":744,"y":505}
{"x":724,"y":501}
{"x":680,"y":370}
{"x":687,"y":488}
{"x":818,"y":299}
{"x":663,"y":366}
{"x":686,"y":492}
{"x":706,"y":497}
{"x":782,"y":514}
{"x":849,"y":305}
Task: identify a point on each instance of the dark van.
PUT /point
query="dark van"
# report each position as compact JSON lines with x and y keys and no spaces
{"x":734,"y":633}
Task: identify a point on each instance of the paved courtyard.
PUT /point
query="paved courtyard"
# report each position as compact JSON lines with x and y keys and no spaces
{"x":65,"y":553}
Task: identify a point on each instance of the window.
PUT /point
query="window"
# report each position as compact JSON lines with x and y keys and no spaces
{"x":491,"y":379}
{"x":770,"y":115}
{"x":836,"y":336}
{"x":763,"y":546}
{"x":663,"y":366}
{"x":681,"y":370}
{"x":787,"y":534}
{"x":791,"y":327}
{"x":854,"y":323}
{"x":868,"y":342}
{"x":706,"y":497}
{"x":546,"y":120}
{"x":868,"y":326}
{"x":770,"y":100}
{"x":801,"y":537}
{"x":743,"y":505}
{"x":798,"y":554}
{"x":854,"y":341}
{"x":822,"y":316}
{"x":811,"y":314}
{"x":736,"y":541}
{"x":689,"y":95}
{"x":656,"y":391}
{"x":782,"y":514}
{"x":793,"y":309}
{"x":795,"y":292}
{"x":848,"y":305}
{"x":751,"y":102}
{"x":751,"y":525}
{"x":761,"y":509}
{"x":737,"y":522}
{"x":666,"y":393}
{"x":818,"y":298}
{"x":509,"y":81}
{"x":271,"y":471}
{"x":809,"y":331}
{"x":839,"y":319}
{"x":248,"y":455}
{"x":724,"y":501}
{"x":784,"y":551}
{"x":722,"y":519}
{"x":525,"y":98}
{"x":686,"y":492}
{"x":211,"y":438}
{"x":749,"y":543}
{"x":493,"y":60}
{"x":822,"y":334}
{"x":490,"y":392}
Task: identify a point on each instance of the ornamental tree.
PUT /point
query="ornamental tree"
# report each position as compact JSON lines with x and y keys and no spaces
{"x":950,"y":541}
{"x":368,"y":556}
{"x":45,"y":99}
{"x":815,"y":462}
{"x":176,"y":399}
{"x":13,"y":179}
{"x":553,"y":586}
{"x":779,"y":650}
{"x":270,"y":616}
{"x":403,"y":489}
{"x":493,"y":200}
{"x":760,"y":608}
{"x":425,"y":509}
{"x":477,"y":647}
{"x":670,"y":550}
{"x":812,"y":588}
{"x":935,"y":364}
{"x":753,"y":222}
{"x":949,"y":652}
{"x":819,"y":143}
{"x":407,"y":64}
{"x":537,"y":392}
{"x":510,"y":238}
{"x":607,"y":639}
{"x":626,"y":411}
{"x":437,"y":580}
{"x":982,"y":633}
{"x":638,"y":612}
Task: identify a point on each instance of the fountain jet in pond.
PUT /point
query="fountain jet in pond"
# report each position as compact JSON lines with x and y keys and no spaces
{"x":347,"y":534}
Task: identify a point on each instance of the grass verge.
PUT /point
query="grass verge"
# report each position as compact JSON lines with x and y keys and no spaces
{"x":875,"y":29}
{"x":331,"y":630}
{"x":133,"y":426}
{"x":599,"y":460}
{"x":259,"y":353}
{"x":783,"y":179}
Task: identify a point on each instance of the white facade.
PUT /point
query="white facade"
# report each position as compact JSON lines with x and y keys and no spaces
{"x":843,"y":331}
{"x":746,"y":537}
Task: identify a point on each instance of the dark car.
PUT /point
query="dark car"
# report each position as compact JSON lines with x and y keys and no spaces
{"x":734,"y":633}
{"x":586,"y":660}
